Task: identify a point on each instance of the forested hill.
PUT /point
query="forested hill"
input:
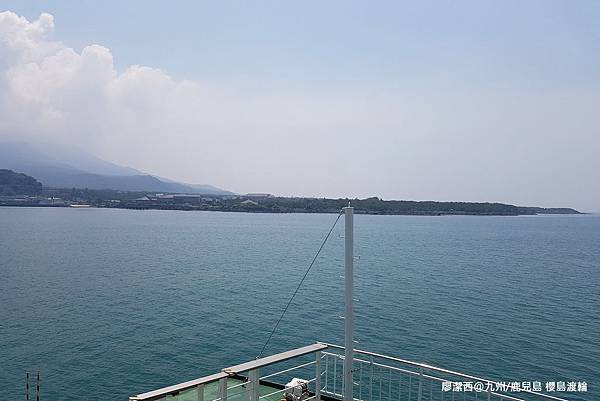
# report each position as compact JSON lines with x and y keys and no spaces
{"x":547,"y":210}
{"x":378,"y":206}
{"x":12,"y":183}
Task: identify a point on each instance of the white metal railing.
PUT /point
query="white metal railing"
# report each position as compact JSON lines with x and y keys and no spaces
{"x":231,"y":385}
{"x":376,"y":377}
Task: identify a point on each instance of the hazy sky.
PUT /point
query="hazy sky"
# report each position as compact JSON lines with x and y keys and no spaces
{"x":445,"y":100}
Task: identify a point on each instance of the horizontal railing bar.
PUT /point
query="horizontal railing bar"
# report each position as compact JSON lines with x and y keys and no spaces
{"x":237,"y":385}
{"x":273,"y":393}
{"x":330,"y":394}
{"x":431,"y":367}
{"x":289,"y":370}
{"x":283,"y":356}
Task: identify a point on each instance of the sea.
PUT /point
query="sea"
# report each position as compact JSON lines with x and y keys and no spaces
{"x":108,"y":303}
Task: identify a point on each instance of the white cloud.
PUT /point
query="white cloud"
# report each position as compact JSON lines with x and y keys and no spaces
{"x":53,"y":91}
{"x":499,"y":144}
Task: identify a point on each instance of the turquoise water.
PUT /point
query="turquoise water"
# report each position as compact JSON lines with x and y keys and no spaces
{"x":110,"y":303}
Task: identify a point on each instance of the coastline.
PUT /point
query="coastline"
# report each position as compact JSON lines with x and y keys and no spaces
{"x":190,"y":208}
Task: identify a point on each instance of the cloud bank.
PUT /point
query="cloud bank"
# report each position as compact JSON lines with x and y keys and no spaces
{"x":484,"y":144}
{"x":54,"y":91}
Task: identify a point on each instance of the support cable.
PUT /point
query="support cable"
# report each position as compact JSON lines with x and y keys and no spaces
{"x":299,"y":285}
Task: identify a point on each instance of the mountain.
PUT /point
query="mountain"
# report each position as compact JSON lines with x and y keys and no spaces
{"x":87,"y":162}
{"x":12,"y":183}
{"x":68,"y":168}
{"x":199,"y":188}
{"x":207,"y":189}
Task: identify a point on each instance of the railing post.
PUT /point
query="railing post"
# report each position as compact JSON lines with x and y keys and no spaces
{"x":380,"y":383}
{"x":430,"y":390}
{"x":255,"y":384}
{"x":371,"y":381}
{"x":249,"y":386}
{"x":335,"y":358}
{"x":360,"y":375}
{"x":400,"y":388}
{"x":326,"y":372}
{"x":223,"y":389}
{"x":200,"y":392}
{"x":317,"y":377}
{"x":252,"y":386}
{"x":390,"y":387}
{"x":420,"y":384}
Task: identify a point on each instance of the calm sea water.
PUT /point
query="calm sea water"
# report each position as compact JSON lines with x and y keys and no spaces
{"x":110,"y":303}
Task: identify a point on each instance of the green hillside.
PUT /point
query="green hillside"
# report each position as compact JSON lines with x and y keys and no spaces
{"x":12,"y":183}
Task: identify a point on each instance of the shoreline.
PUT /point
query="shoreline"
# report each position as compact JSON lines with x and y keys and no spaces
{"x":297,"y":211}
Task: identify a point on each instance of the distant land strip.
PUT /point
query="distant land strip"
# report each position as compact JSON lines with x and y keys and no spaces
{"x":17,"y":189}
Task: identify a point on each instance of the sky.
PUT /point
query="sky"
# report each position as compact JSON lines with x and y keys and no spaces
{"x":449,"y":100}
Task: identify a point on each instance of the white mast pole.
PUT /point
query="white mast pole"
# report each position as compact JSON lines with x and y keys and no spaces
{"x":349,"y":278}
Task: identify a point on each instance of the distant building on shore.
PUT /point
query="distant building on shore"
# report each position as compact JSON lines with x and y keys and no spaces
{"x":249,"y":202}
{"x":258,"y":196}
